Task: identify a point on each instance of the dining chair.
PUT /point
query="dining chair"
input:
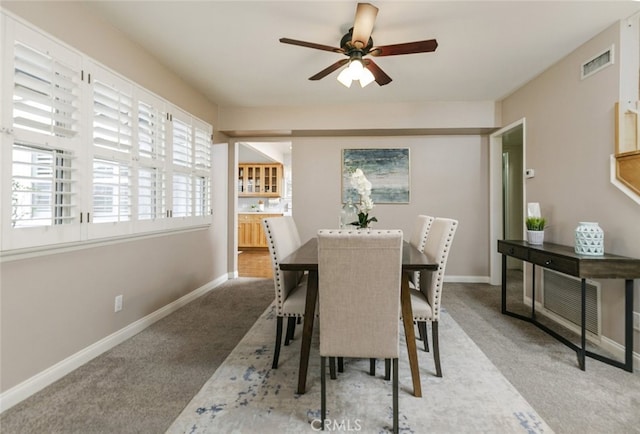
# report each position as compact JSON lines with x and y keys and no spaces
{"x":418,"y":239}
{"x":359,"y":278}
{"x":427,"y":297}
{"x":290,"y":286}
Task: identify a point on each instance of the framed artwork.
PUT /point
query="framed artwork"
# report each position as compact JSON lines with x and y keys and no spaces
{"x":386,"y":168}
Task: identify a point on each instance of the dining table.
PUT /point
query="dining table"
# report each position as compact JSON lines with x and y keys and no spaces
{"x":305,"y":258}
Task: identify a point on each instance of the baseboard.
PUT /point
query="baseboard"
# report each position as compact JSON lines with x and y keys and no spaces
{"x":44,"y":378}
{"x":601,"y":341}
{"x":466,"y":279}
{"x":617,"y":350}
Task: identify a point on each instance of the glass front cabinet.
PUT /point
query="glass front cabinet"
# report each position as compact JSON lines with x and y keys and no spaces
{"x":257,"y":179}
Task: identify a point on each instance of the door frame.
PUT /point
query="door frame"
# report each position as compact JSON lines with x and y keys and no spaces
{"x":496,"y":229}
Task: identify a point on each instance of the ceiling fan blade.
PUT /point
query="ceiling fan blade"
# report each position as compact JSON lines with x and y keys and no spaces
{"x":406,"y":48}
{"x":381,"y":77}
{"x":329,"y":69}
{"x":311,"y":45}
{"x":363,"y":26}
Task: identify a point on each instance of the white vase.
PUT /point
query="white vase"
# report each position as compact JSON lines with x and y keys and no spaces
{"x":535,"y":237}
{"x":589,"y":239}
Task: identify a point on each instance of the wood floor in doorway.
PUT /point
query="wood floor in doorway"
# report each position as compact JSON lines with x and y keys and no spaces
{"x":255,"y":263}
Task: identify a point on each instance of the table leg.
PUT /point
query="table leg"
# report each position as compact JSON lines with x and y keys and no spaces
{"x":504,"y":284}
{"x":628,"y":325}
{"x":583,"y":338}
{"x":407,"y":319}
{"x":307,"y":329}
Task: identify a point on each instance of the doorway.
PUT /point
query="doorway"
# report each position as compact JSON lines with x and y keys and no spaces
{"x":507,"y":192}
{"x":253,"y":261}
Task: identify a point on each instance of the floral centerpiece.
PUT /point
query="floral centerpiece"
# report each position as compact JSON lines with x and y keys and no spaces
{"x":363,"y":187}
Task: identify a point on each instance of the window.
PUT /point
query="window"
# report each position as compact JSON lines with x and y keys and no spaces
{"x":191,"y":166}
{"x":45,"y":93}
{"x":41,"y":193}
{"x":88,"y":153}
{"x":111,"y":191}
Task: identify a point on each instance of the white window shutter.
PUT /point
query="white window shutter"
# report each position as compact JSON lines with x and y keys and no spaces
{"x":40,"y":184}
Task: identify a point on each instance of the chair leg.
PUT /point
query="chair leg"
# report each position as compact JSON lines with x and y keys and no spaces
{"x":422,"y":328}
{"x":276,"y":351}
{"x":332,"y":368}
{"x":323,"y":391}
{"x":340,"y":364}
{"x":372,"y":367}
{"x":395,"y":395}
{"x":436,"y":347}
{"x":291,"y":329}
{"x":387,"y":369}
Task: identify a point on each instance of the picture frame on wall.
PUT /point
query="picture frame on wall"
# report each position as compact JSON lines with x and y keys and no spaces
{"x":386,"y":168}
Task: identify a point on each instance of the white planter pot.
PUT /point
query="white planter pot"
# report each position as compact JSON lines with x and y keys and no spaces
{"x":535,"y":237}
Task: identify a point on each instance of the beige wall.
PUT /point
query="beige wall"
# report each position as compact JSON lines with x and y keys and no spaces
{"x":449,"y":178}
{"x":569,"y":137}
{"x":55,"y":305}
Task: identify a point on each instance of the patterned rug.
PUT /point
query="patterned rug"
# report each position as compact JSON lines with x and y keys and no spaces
{"x":245,"y":395}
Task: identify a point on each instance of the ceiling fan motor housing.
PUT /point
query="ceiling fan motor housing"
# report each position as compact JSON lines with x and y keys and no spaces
{"x":348,"y":47}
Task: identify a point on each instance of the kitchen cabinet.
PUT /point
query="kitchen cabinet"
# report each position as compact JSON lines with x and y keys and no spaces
{"x":250,"y":229}
{"x":260,"y":180}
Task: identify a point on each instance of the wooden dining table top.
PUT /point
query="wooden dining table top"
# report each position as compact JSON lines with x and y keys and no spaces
{"x":306,"y":258}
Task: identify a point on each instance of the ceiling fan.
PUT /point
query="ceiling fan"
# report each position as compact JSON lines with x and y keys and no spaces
{"x":357,"y":44}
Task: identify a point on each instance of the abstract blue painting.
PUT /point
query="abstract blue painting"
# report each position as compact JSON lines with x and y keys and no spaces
{"x":386,"y":168}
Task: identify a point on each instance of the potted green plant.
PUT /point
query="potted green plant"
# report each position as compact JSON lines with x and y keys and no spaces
{"x":535,"y":230}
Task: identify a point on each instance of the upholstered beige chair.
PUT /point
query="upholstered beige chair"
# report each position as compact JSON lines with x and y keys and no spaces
{"x":419,"y":238}
{"x":426,"y":299}
{"x":290,"y":286}
{"x":359,"y":277}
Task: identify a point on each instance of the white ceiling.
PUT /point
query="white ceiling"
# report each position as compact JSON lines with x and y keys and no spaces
{"x":229,"y":50}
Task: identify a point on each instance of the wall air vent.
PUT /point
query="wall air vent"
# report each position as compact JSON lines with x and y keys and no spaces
{"x":597,"y":63}
{"x":562,"y":296}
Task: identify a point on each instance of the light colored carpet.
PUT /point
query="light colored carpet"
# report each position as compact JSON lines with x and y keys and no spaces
{"x":246,"y":395}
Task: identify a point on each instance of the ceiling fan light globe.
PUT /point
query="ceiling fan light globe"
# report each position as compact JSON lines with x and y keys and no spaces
{"x":345,"y":77}
{"x":355,"y":69}
{"x":366,"y":77}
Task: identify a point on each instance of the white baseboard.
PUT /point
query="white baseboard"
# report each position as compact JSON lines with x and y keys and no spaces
{"x":44,"y":378}
{"x":467,"y":279}
{"x":601,"y":341}
{"x":617,"y":350}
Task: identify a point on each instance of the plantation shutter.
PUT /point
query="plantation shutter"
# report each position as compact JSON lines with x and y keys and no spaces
{"x":42,"y":109}
{"x":112,"y":162}
{"x":45,"y":93}
{"x":111,"y":191}
{"x":112,"y":117}
{"x":41,"y":187}
{"x":151,"y":158}
{"x":202,"y":175}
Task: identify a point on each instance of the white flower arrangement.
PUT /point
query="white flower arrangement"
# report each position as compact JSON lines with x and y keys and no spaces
{"x":363,"y":187}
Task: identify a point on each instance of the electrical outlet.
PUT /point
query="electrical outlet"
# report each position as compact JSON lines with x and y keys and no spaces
{"x":118,"y":303}
{"x":636,"y":321}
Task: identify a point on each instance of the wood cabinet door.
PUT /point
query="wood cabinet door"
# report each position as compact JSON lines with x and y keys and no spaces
{"x":244,"y":234}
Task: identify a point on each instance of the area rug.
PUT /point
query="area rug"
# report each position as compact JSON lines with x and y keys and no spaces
{"x":245,"y":395}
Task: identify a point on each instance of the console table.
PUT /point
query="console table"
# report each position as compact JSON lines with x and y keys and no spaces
{"x":564,"y":259}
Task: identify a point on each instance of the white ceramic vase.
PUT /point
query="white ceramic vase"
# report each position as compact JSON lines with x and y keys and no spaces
{"x":589,"y":239}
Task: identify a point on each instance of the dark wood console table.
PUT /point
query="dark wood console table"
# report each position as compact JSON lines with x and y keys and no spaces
{"x":564,"y":259}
